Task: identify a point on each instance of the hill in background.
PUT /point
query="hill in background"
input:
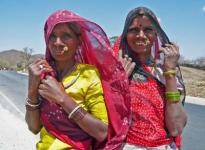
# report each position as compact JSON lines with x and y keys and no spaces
{"x":12,"y":59}
{"x":194,"y":79}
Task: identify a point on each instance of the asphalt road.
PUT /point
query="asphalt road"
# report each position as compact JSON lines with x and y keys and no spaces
{"x":194,"y":132}
{"x":13,"y":87}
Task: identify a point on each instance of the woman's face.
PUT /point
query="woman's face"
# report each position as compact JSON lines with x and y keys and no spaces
{"x":63,"y":42}
{"x":141,"y":35}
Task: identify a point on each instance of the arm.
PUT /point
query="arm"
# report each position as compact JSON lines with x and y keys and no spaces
{"x":32,"y":117}
{"x":92,"y":125}
{"x":175,"y":116}
{"x":53,"y":91}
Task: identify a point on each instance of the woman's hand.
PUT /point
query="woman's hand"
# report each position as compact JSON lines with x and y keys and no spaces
{"x":127,"y":63}
{"x":171,"y":56}
{"x":35,"y":69}
{"x":52,"y":90}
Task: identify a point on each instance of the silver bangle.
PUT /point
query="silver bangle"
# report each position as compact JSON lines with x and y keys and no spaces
{"x":73,"y":111}
{"x":32,"y":105}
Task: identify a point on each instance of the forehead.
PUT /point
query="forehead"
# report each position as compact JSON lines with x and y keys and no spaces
{"x":61,"y":27}
{"x":141,"y":21}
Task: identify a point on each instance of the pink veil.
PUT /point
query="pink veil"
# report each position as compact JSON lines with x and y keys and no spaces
{"x":95,"y":50}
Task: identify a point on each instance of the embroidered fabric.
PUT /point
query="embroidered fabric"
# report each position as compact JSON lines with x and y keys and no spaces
{"x":96,"y":50}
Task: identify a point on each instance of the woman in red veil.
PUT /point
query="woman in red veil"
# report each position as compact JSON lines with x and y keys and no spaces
{"x":78,"y":95}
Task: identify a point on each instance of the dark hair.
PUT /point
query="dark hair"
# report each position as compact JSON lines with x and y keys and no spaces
{"x":75,"y":28}
{"x":142,"y":11}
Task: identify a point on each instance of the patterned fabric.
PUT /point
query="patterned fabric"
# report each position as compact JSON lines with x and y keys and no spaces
{"x":135,"y":147}
{"x":148,"y":106}
{"x":161,"y":39}
{"x":141,"y":86}
{"x":88,"y":93}
{"x":95,"y":49}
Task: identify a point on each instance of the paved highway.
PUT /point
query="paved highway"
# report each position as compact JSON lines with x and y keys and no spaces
{"x":13,"y":87}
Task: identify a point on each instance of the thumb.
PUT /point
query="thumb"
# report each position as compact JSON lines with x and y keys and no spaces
{"x":120,"y":54}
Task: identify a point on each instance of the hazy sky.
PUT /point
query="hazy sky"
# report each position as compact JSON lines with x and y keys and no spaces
{"x":22,"y":21}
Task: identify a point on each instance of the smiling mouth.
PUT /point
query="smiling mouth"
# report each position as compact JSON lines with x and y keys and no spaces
{"x":141,"y":43}
{"x":59,"y":52}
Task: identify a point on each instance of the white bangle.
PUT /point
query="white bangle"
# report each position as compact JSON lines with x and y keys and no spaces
{"x":73,"y":111}
{"x":32,"y":105}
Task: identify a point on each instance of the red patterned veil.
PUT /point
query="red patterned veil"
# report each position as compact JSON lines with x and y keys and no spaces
{"x":96,"y":50}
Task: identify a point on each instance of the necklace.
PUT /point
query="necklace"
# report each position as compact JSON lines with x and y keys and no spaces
{"x":139,"y":77}
{"x":67,"y":71}
{"x":72,"y":81}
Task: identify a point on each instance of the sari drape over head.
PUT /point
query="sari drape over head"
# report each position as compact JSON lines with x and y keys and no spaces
{"x":95,"y":49}
{"x":156,"y":59}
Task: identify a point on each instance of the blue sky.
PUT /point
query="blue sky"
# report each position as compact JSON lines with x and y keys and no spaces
{"x":22,"y":21}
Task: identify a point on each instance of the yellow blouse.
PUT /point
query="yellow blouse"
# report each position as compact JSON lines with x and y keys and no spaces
{"x":87,"y":91}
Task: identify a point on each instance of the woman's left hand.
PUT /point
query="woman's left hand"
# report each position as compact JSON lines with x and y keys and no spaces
{"x":171,"y":56}
{"x":52,"y":90}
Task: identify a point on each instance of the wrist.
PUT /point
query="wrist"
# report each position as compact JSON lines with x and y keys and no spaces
{"x":170,"y":78}
{"x":67,"y":103}
{"x":63,"y":99}
{"x":33,"y":95}
{"x":32,"y":92}
{"x":166,"y":68}
{"x":77,"y":114}
{"x":31,"y":105}
{"x":32,"y":98}
{"x":169,"y":73}
{"x":173,"y":96}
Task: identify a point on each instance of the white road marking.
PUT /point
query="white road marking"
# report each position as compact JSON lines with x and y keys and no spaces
{"x":195,"y":100}
{"x":12,"y":104}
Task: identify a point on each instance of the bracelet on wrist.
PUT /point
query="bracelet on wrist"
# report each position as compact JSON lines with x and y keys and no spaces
{"x":170,"y":73}
{"x":172,"y":96}
{"x":73,"y":111}
{"x":78,"y":113}
{"x":32,"y":106}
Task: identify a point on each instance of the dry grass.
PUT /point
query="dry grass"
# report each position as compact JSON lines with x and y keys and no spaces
{"x":194,"y":81}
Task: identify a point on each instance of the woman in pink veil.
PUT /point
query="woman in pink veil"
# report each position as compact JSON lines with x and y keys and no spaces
{"x":78,"y":89}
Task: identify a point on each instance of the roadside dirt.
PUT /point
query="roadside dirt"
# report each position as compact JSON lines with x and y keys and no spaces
{"x":194,"y":80}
